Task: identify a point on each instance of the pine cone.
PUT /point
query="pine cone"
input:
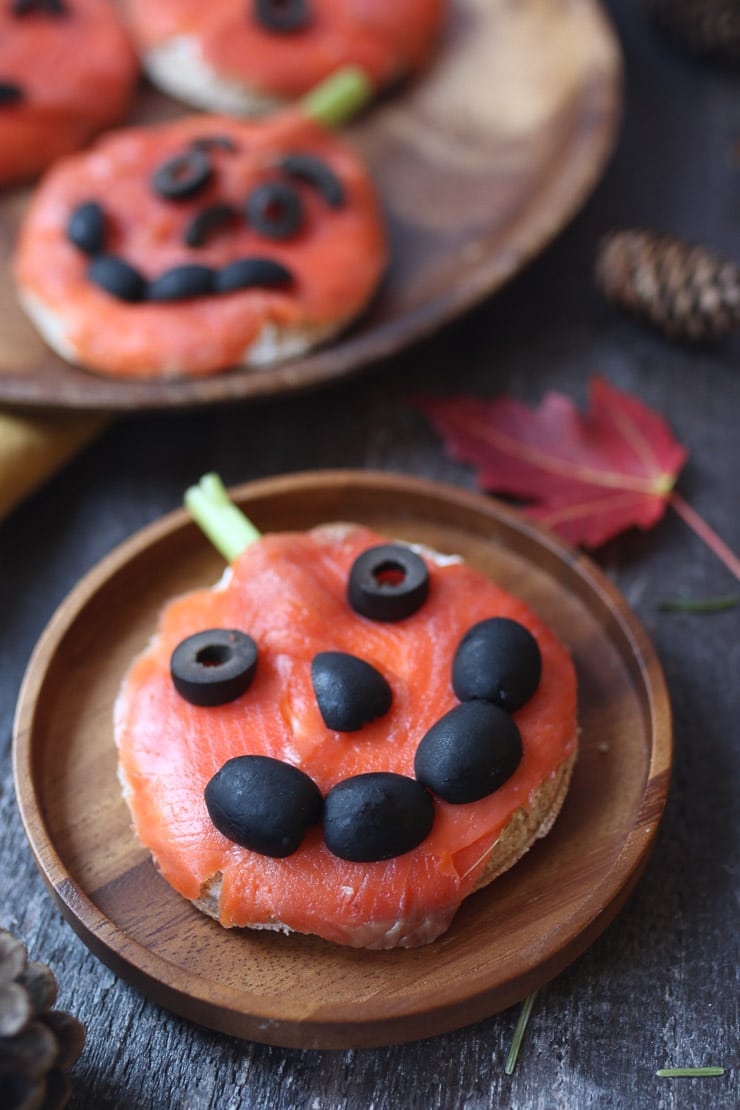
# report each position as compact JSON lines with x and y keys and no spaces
{"x":684,"y":290}
{"x":37,"y":1043}
{"x":710,"y":27}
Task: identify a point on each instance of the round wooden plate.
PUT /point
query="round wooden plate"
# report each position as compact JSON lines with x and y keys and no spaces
{"x":300,"y":991}
{"x":479,"y":164}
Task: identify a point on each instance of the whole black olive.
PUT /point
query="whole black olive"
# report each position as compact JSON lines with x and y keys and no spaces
{"x":275,"y":210}
{"x":497,"y":660}
{"x":376,"y":816}
{"x":349,"y":691}
{"x":86,"y":228}
{"x":263,"y":804}
{"x":309,"y":168}
{"x":183,"y":176}
{"x":282,"y":15}
{"x":388,"y":582}
{"x":182,"y":282}
{"x":117,"y":277}
{"x":470,"y":752}
{"x":249,"y":273}
{"x":213,"y":667}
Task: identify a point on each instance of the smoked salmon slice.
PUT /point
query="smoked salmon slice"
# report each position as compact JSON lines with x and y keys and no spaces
{"x":289,"y":592}
{"x":229,"y":55}
{"x":67,"y":70}
{"x":201,"y":198}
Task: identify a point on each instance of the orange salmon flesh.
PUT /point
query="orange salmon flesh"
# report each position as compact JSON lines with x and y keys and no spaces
{"x":288,"y":591}
{"x":77,"y":72}
{"x":384,"y":37}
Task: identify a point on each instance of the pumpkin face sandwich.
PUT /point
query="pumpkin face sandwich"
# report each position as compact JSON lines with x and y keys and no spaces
{"x":199,"y":245}
{"x":247,"y":57}
{"x":67,"y":70}
{"x":345,"y":737}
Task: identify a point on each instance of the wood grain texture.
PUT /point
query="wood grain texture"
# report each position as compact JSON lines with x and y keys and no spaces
{"x":299,"y":991}
{"x":479,"y":163}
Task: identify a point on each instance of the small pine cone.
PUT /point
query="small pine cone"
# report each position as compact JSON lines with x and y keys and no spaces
{"x":37,"y":1043}
{"x":682,"y":289}
{"x":705,"y":27}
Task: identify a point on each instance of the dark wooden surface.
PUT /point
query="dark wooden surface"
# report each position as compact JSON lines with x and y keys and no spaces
{"x":660,"y":986}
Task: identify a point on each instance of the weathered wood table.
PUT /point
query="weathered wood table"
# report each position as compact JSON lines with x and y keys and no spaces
{"x":659,"y":987}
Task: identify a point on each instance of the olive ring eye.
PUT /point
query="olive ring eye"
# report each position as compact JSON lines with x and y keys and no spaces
{"x":275,"y":210}
{"x":388,"y":583}
{"x":184,"y":175}
{"x":214,"y":667}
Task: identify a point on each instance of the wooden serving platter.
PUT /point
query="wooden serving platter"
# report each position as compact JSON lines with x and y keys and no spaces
{"x":300,"y":991}
{"x":479,"y":163}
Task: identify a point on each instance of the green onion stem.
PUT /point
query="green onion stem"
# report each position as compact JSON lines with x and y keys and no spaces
{"x":226,"y":526}
{"x":521,"y":1026}
{"x":688,"y":1073}
{"x":335,"y":100}
{"x":708,"y":605}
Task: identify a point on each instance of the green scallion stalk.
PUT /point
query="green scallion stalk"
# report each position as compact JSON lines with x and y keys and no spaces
{"x":519,"y":1031}
{"x":708,"y":605}
{"x":335,"y":100}
{"x":226,"y":526}
{"x":688,"y":1073}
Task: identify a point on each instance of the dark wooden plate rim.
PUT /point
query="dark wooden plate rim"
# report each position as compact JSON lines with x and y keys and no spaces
{"x":248,"y":1014}
{"x":546,"y":207}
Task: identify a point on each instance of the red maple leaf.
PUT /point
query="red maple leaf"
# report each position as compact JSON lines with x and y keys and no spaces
{"x":586,"y":476}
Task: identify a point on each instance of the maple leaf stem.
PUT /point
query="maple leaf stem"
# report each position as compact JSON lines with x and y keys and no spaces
{"x":705,"y":532}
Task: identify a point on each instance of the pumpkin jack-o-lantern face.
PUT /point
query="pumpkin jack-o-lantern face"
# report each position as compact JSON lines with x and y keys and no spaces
{"x":266,"y":804}
{"x":274,"y":210}
{"x":338,"y":733}
{"x":66,"y":70}
{"x":202,"y":243}
{"x":245,"y":56}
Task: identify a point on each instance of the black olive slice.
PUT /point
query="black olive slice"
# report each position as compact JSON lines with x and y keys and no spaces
{"x":498,"y":660}
{"x":469,"y":753}
{"x":117,"y":277}
{"x":308,"y":168}
{"x":263,"y":804}
{"x":214,"y":142}
{"x":282,"y":15}
{"x":214,"y":666}
{"x":209,"y":222}
{"x":376,"y":816}
{"x":184,"y":176}
{"x":388,"y":582}
{"x":349,"y":691}
{"x":182,"y":282}
{"x":86,"y":228}
{"x":275,"y":210}
{"x":10,"y":93}
{"x":50,"y":7}
{"x":246,"y":273}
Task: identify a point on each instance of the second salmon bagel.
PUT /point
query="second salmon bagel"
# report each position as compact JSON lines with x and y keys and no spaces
{"x":206,"y":243}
